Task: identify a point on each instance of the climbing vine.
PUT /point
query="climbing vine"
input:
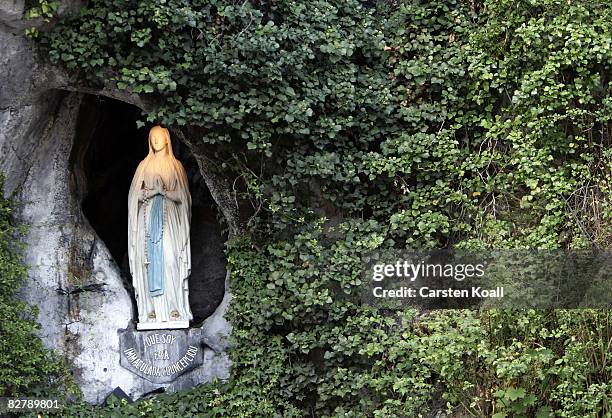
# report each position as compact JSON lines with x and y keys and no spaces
{"x":355,"y":126}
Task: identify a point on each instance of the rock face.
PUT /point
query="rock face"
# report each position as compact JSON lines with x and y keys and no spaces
{"x":79,"y":287}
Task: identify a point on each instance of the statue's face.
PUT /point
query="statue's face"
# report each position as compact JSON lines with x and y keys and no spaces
{"x":158,"y":141}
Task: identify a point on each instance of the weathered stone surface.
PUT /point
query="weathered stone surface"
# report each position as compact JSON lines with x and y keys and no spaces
{"x":216,"y":329}
{"x":73,"y":278}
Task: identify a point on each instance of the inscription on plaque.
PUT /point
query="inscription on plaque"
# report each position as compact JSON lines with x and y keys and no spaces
{"x":161,"y":356}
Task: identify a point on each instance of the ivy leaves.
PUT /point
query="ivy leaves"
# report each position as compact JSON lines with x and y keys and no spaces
{"x":399,"y":124}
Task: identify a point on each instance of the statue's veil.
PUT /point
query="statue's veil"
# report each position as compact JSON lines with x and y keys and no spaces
{"x":166,"y":134}
{"x":167,"y":166}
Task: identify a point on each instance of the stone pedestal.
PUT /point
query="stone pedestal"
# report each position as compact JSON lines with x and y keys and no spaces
{"x":177,"y":359}
{"x":161,"y":356}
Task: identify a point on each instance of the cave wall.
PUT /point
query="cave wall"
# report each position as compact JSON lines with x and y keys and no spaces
{"x":73,"y":278}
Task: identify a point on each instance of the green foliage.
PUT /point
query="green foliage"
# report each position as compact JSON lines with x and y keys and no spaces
{"x":381,"y":125}
{"x":26,"y":365}
{"x":40,"y":9}
{"x":44,"y":9}
{"x":450,"y":119}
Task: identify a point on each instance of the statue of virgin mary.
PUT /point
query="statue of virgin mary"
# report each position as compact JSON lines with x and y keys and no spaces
{"x":159,"y":217}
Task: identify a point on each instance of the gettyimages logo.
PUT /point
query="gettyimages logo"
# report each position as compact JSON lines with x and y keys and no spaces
{"x":411,"y":271}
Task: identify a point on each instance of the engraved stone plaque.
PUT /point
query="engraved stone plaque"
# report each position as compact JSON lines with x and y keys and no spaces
{"x":161,"y":356}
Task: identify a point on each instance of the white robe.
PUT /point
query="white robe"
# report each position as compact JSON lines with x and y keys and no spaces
{"x":176,"y":246}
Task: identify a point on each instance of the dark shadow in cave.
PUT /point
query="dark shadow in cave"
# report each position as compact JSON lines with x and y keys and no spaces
{"x":107,"y":149}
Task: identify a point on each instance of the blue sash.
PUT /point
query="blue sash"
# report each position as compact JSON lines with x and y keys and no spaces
{"x":155,"y":247}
